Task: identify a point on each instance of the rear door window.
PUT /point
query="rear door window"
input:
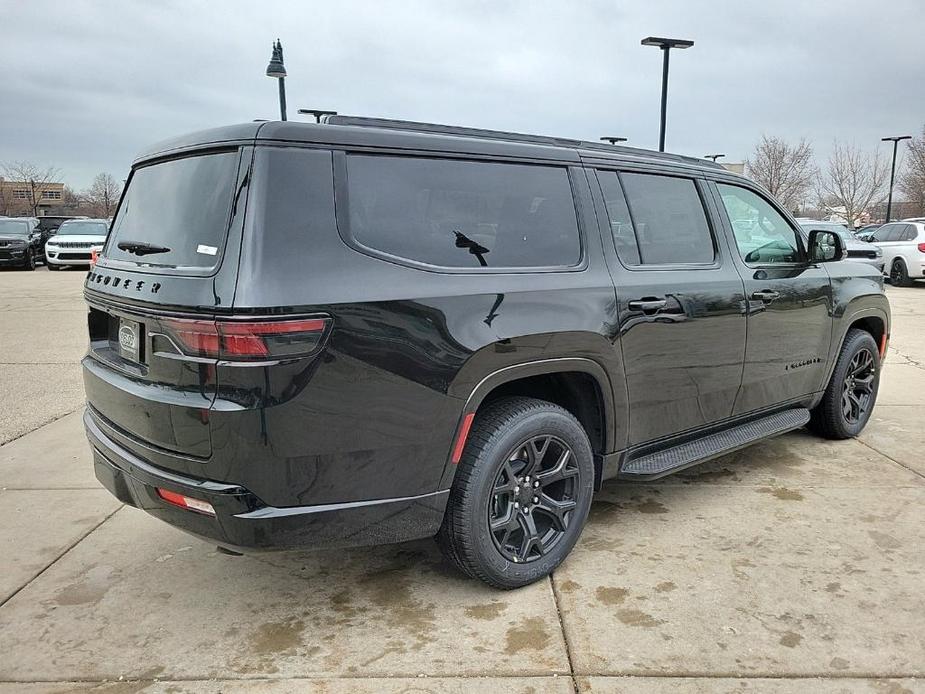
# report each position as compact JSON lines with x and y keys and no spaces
{"x":669,"y":219}
{"x":618,"y":216}
{"x":463,"y":214}
{"x":182,"y":205}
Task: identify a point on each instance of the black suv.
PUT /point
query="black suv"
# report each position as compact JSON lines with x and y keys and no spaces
{"x":367,"y":331}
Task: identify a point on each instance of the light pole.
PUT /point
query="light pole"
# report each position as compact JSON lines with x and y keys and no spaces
{"x":666,"y":45}
{"x":278,"y":70}
{"x":317,"y":113}
{"x":613,"y":140}
{"x":895,"y":140}
{"x":714,"y":157}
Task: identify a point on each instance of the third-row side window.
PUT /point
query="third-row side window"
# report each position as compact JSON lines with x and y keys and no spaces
{"x":664,"y":223}
{"x":463,"y":214}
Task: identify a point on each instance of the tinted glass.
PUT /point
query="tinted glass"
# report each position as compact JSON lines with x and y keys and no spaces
{"x":183,"y":205}
{"x":89,"y":228}
{"x":13,"y":227}
{"x":621,"y":226}
{"x":761,"y":232}
{"x":671,"y":226}
{"x":463,"y":214}
{"x":908,"y":233}
{"x":885,"y":232}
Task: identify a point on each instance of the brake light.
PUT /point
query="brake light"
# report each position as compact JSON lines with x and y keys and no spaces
{"x":248,"y":340}
{"x":189,"y":503}
{"x":922,"y":247}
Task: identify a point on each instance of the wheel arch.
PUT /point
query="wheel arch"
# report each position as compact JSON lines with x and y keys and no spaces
{"x":559,"y":380}
{"x":873,"y":319}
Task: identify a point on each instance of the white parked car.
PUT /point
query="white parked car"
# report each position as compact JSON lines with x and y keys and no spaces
{"x":903,"y":246}
{"x":75,"y":242}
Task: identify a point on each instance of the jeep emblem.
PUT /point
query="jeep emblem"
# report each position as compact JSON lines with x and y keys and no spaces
{"x":127,"y":337}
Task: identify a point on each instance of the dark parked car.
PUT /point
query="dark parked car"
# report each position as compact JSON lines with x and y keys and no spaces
{"x":866,"y":232}
{"x":368,"y":331}
{"x":21,"y":243}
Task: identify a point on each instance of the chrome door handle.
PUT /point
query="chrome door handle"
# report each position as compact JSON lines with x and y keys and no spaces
{"x":765,"y":295}
{"x":647,"y":305}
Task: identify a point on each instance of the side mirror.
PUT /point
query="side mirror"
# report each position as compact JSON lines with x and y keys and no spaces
{"x":826,"y":246}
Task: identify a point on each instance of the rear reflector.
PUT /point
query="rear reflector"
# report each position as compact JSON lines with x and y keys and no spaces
{"x":186,"y":502}
{"x":883,"y":343}
{"x":462,"y":436}
{"x":246,"y":340}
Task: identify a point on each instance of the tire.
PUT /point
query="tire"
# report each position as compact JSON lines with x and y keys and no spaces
{"x":899,"y":276}
{"x":29,"y":261}
{"x":833,"y":417}
{"x":52,"y":266}
{"x":491,"y":485}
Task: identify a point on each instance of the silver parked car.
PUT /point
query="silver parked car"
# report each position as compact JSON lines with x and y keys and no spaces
{"x":858,"y":250}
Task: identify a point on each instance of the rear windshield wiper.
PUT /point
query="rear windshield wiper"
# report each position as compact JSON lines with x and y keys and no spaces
{"x":141,"y":247}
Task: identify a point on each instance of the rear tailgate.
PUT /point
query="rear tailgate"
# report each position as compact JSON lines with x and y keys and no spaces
{"x":171,"y":256}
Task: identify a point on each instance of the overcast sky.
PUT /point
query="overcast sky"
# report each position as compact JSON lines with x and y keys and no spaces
{"x":86,"y":85}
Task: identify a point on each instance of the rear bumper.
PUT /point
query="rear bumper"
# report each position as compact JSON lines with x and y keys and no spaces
{"x":242,"y":522}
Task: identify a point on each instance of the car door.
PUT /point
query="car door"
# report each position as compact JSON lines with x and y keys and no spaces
{"x":887,"y":238}
{"x":788,"y":298}
{"x":679,"y":302}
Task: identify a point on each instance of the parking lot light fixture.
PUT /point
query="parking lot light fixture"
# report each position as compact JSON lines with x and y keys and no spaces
{"x":895,"y":140}
{"x":613,"y":140}
{"x":713,"y":157}
{"x":665,"y":45}
{"x":277,"y":69}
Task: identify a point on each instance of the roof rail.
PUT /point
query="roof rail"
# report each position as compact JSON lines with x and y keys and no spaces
{"x":416,"y":126}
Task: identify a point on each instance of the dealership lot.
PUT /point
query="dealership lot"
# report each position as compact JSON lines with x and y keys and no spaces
{"x":794,"y":559}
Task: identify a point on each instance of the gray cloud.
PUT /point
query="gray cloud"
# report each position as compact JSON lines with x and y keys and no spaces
{"x":88,"y":84}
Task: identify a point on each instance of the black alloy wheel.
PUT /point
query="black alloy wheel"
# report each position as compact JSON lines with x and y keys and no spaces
{"x":899,"y":277}
{"x":521,"y":492}
{"x":851,"y":393}
{"x":858,"y":386}
{"x":533,"y":498}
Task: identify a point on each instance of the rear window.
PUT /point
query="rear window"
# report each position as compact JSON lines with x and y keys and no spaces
{"x":182,"y":205}
{"x":463,"y":214}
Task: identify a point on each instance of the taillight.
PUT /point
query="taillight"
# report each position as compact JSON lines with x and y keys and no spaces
{"x":922,"y":247}
{"x":247,"y":340}
{"x":187,"y":502}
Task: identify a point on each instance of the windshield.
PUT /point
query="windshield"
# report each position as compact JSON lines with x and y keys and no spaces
{"x":175,"y":213}
{"x":88,"y":228}
{"x":12,"y":226}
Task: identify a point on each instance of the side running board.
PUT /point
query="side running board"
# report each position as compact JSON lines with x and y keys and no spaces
{"x":648,"y":466}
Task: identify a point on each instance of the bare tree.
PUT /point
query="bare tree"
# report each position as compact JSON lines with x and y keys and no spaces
{"x":786,"y":170}
{"x":912,"y":179}
{"x":103,"y":195}
{"x":35,"y":179}
{"x":853,"y":180}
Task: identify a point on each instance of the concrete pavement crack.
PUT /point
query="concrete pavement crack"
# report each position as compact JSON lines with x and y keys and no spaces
{"x":60,"y":556}
{"x":568,"y":648}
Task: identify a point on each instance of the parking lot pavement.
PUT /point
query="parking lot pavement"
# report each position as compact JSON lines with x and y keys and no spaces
{"x":794,"y":565}
{"x":44,"y":335}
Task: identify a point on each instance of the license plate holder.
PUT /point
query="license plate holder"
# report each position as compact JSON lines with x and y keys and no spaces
{"x":129,"y":338}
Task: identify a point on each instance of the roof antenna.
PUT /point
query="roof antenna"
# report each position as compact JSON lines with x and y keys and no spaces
{"x":613,"y":140}
{"x":317,"y":113}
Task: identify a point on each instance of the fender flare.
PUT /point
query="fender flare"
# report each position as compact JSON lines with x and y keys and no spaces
{"x":838,"y":339}
{"x":524,"y":370}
